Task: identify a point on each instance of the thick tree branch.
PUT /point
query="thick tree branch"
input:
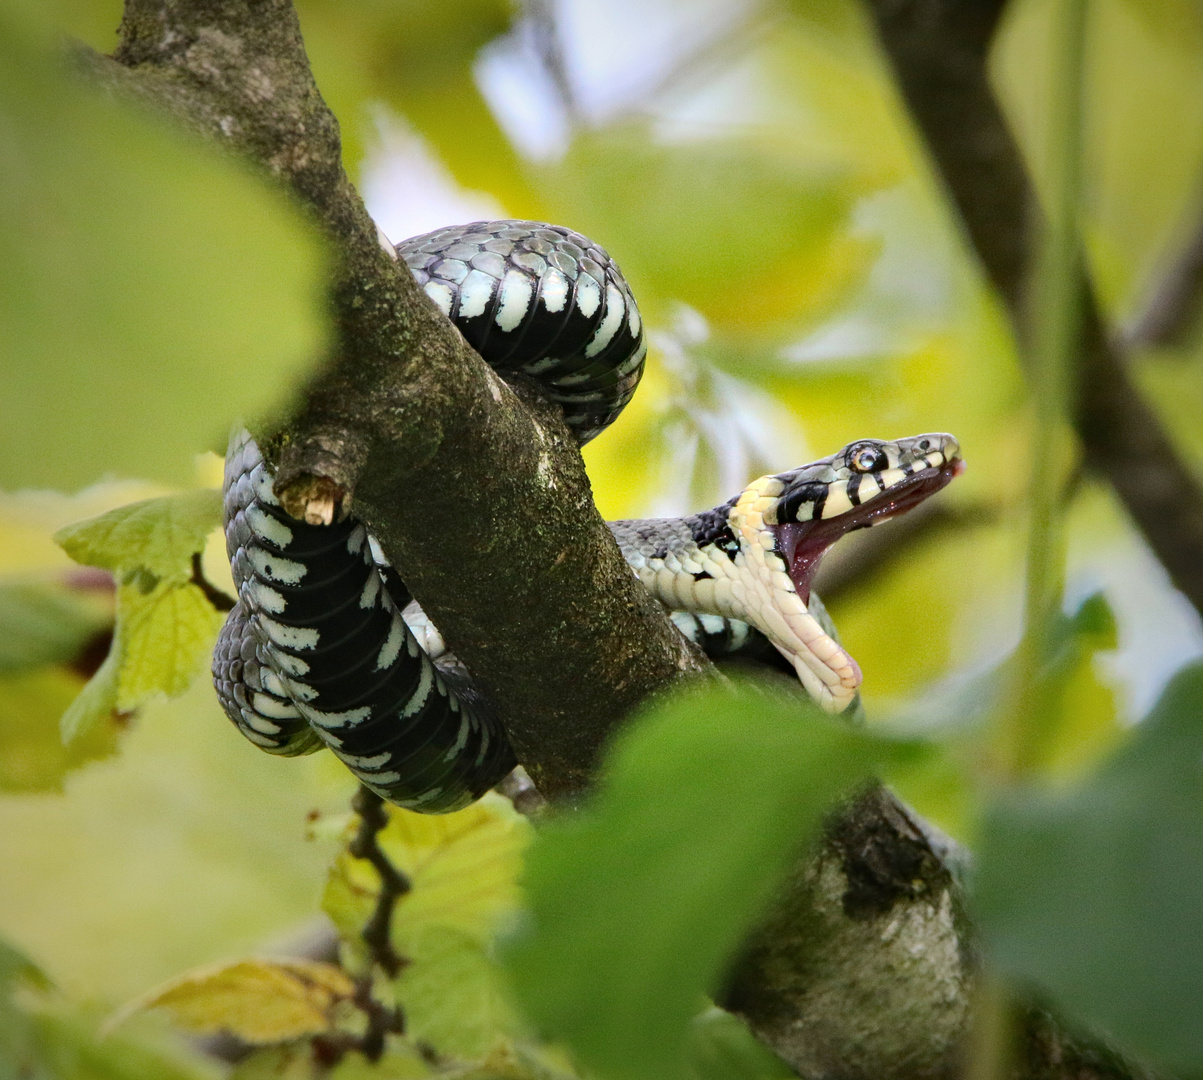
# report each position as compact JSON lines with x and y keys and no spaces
{"x":476,"y":490}
{"x":863,"y":969}
{"x":939,"y":52}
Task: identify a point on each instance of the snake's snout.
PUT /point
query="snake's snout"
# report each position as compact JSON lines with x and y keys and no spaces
{"x":934,"y":450}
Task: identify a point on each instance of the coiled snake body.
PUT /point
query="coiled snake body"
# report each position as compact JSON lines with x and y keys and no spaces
{"x":317,"y":651}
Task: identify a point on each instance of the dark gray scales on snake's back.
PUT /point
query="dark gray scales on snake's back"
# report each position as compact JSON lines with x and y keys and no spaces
{"x":325,"y":647}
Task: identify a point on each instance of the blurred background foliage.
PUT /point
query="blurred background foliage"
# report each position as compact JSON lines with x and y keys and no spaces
{"x":804,"y":283}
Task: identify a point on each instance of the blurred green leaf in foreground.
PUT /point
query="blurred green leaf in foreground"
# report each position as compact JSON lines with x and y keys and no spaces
{"x":151,"y":292}
{"x":706,"y":803}
{"x":1095,"y":895}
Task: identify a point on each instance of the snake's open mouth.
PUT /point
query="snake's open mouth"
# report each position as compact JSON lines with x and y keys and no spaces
{"x":802,"y":544}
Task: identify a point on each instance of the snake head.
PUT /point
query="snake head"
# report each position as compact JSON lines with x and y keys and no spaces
{"x":787,"y":521}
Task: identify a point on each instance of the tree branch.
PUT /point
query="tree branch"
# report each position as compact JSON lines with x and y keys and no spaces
{"x":939,"y":51}
{"x":475,"y":488}
{"x":1169,"y":310}
{"x":863,"y":968}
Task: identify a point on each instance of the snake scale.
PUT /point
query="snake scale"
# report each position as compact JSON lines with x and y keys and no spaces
{"x":325,"y":647}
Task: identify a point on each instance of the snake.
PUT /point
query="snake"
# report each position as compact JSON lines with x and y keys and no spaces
{"x":326,"y":647}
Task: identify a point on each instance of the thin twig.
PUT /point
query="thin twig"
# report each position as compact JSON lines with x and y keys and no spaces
{"x":545,"y":31}
{"x":220,"y":600}
{"x":1169,"y":309}
{"x":393,"y":884}
{"x":383,"y":1020}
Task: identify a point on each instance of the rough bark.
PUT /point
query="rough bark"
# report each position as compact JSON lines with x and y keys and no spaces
{"x":864,"y":968}
{"x":476,"y":488}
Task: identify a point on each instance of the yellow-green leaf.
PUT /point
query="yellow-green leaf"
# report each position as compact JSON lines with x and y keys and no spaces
{"x":32,"y":755}
{"x":96,"y":703}
{"x":454,"y":994}
{"x":157,"y":535}
{"x":463,"y":869}
{"x":167,"y":636}
{"x":508,"y":1060}
{"x":259,"y":1001}
{"x":165,"y":624}
{"x":401,"y":1061}
{"x":299,"y":1061}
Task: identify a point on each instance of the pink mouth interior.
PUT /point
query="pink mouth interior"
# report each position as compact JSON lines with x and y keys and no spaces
{"x":802,"y":544}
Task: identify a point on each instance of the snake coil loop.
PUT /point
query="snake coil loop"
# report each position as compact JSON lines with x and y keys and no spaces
{"x":318,"y":650}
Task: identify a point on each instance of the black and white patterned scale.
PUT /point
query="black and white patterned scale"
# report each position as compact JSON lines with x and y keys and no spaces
{"x":316,"y":651}
{"x":541,"y":300}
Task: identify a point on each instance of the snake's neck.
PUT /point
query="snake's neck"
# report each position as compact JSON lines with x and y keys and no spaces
{"x":724,"y":562}
{"x":688,"y":563}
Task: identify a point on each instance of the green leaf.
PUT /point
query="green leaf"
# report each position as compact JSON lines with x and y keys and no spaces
{"x":167,"y":637}
{"x":33,"y":756}
{"x":515,"y":1061}
{"x":454,"y":994}
{"x":42,"y":622}
{"x":301,"y":1061}
{"x":162,"y":641}
{"x":639,"y":901}
{"x":463,"y":869}
{"x":400,"y":1061}
{"x":1095,"y":895}
{"x":156,"y":535}
{"x":152,"y":290}
{"x":96,"y":704}
{"x":292,"y":1061}
{"x":722,"y":1048}
{"x":165,"y":624}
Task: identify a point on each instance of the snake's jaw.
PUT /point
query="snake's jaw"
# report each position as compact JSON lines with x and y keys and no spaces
{"x":786,"y":523}
{"x":770,"y":602}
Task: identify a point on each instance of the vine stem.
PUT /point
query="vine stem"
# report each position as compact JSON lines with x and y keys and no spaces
{"x":1057,"y":308}
{"x":393,"y":884}
{"x":220,"y":600}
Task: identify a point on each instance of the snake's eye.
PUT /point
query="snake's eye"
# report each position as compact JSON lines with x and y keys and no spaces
{"x":869,"y":459}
